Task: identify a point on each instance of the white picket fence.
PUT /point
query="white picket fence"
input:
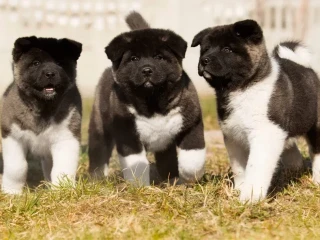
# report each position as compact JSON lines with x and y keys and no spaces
{"x":96,"y":22}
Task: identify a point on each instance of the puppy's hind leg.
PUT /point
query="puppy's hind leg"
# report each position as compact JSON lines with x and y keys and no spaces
{"x":46,"y":163}
{"x":167,"y":163}
{"x":313,"y":138}
{"x":238,"y":157}
{"x":100,"y":150}
{"x":291,"y":157}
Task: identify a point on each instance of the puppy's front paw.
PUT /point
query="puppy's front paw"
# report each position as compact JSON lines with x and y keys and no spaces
{"x":251,"y":194}
{"x":11,"y":191}
{"x":316,"y":178}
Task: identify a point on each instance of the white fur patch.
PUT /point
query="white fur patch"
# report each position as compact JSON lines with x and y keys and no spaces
{"x":248,"y":125}
{"x":57,"y":141}
{"x":316,"y":168}
{"x":136,"y":168}
{"x":249,"y":108}
{"x":300,"y":55}
{"x":157,"y":132}
{"x":106,"y":170}
{"x":15,"y":166}
{"x":191,"y":164}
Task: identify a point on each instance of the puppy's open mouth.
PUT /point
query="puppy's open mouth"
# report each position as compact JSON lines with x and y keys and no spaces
{"x":49,"y":90}
{"x":148,"y":85}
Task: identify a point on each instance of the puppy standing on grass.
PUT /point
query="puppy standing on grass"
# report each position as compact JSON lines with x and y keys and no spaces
{"x":263,"y":102}
{"x":41,"y":111}
{"x":146,"y":102}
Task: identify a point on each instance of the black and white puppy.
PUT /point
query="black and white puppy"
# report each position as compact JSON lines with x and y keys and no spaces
{"x":264,"y":101}
{"x":41,"y":111}
{"x":146,"y":102}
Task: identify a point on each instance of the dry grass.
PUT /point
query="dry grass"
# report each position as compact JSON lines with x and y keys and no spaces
{"x":112,"y":209}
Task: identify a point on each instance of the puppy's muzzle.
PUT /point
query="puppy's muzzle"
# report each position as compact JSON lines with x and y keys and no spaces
{"x":50,"y":75}
{"x":147,"y":71}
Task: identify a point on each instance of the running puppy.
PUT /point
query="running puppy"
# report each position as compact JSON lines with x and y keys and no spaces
{"x":264,"y":102}
{"x":146,"y":102}
{"x":41,"y":112}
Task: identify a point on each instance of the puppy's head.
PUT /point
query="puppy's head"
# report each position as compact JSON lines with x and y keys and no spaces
{"x":230,"y":53}
{"x":147,"y":60}
{"x":45,"y":67}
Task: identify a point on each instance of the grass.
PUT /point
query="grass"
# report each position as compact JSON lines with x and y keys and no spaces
{"x":112,"y":209}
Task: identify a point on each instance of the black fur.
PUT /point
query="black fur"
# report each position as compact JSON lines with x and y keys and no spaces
{"x":135,"y":21}
{"x":25,"y":101}
{"x":231,"y":64}
{"x":126,"y":85}
{"x":294,"y":102}
{"x":234,"y":57}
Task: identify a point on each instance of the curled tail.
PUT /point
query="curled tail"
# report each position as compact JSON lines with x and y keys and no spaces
{"x":295,"y":52}
{"x":135,"y":21}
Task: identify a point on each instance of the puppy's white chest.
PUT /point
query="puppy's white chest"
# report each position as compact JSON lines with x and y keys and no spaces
{"x":249,"y":110}
{"x":40,"y":145}
{"x":157,"y":132}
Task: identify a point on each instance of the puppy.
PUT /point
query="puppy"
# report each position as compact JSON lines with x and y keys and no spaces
{"x":264,"y":102}
{"x":146,"y":102}
{"x":41,"y":111}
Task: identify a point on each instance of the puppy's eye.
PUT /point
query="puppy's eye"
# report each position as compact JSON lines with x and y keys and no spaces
{"x":158,"y":57}
{"x":134,"y":58}
{"x":226,"y":50}
{"x":36,"y":63}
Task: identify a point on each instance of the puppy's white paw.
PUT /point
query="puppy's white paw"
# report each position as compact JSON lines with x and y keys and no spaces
{"x":238,"y":182}
{"x":316,"y":178}
{"x":11,"y":191}
{"x":252,"y":194}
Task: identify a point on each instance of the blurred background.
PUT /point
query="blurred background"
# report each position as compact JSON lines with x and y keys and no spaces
{"x":96,"y":22}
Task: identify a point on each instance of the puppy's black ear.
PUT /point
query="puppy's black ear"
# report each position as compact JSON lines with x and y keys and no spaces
{"x":176,"y":43}
{"x":249,"y":30}
{"x":117,"y":48}
{"x":198,"y":38}
{"x":72,"y":48}
{"x":22,"y":45}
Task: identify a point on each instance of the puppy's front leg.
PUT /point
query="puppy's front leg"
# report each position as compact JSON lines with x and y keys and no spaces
{"x":131,"y":153}
{"x":266,"y":147}
{"x":15,"y":166}
{"x":65,"y":157}
{"x":192,"y":154}
{"x":135,"y":168}
{"x":238,"y":157}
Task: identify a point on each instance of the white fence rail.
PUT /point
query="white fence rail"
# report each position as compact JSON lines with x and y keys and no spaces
{"x":96,"y":22}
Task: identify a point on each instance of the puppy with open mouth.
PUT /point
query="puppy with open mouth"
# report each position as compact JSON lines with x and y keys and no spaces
{"x":146,"y":102}
{"x":264,"y":101}
{"x":41,"y":111}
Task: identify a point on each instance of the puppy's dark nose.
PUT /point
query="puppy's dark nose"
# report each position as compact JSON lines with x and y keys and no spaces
{"x":147,"y":71}
{"x":205,"y":61}
{"x":50,"y":74}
